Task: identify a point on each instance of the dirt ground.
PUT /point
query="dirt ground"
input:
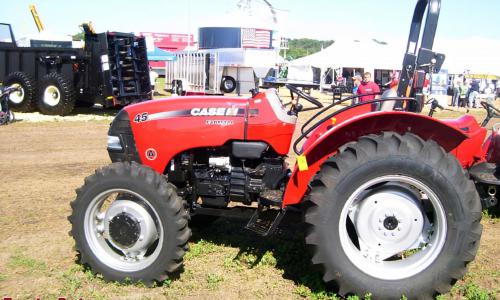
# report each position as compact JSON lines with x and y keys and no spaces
{"x":42,"y":164}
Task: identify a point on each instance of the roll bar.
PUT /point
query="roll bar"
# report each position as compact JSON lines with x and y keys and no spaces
{"x":419,"y":58}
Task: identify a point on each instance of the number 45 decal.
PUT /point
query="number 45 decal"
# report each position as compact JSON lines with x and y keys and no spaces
{"x":141,"y":117}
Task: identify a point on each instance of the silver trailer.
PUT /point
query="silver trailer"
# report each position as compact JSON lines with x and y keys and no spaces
{"x":219,"y":71}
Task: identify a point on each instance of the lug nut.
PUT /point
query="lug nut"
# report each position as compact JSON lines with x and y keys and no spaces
{"x":100,"y":216}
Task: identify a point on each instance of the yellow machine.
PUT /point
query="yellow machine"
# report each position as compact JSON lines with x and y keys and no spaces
{"x":38,"y":22}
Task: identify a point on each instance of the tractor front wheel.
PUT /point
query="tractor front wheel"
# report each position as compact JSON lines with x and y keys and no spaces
{"x":393,"y":215}
{"x":129,"y":224}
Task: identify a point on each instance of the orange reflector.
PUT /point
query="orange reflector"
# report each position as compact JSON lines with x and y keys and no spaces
{"x":334,"y":120}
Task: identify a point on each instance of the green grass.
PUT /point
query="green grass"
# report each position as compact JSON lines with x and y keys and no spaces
{"x":471,"y":291}
{"x":72,"y":280}
{"x":30,"y":265}
{"x":306,"y":292}
{"x":80,"y":282}
{"x":199,"y":248}
{"x":213,"y":280}
{"x":492,"y":214}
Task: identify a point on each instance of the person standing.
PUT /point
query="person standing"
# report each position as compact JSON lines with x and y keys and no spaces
{"x":367,"y":86}
{"x":152,"y":78}
{"x":474,"y":91}
{"x":455,"y":100}
{"x":356,"y":81}
{"x":391,"y":92}
{"x":463,"y":94}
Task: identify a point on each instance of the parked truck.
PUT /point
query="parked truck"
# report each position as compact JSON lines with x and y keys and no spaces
{"x":110,"y":70}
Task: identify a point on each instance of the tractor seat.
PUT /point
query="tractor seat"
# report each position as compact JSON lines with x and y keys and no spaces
{"x":467,"y":124}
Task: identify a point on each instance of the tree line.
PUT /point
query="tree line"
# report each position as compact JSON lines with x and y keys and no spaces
{"x":298,"y":48}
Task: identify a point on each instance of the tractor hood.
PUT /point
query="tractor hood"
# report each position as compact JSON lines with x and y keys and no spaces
{"x":192,"y":106}
{"x":157,"y":130}
{"x":154,"y":132}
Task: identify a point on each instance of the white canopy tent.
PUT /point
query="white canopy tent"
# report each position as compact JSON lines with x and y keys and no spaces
{"x":358,"y":54}
{"x":475,"y":56}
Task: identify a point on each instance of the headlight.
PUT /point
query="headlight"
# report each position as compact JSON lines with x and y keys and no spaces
{"x":114,"y":143}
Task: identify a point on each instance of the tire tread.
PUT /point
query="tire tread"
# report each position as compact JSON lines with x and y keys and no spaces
{"x":173,"y":204}
{"x":384,"y":145}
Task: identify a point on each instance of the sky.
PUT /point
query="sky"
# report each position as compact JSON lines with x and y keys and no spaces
{"x":319,"y":19}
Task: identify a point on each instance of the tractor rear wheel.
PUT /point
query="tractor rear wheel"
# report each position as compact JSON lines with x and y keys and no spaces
{"x":393,"y":215}
{"x":129,"y":224}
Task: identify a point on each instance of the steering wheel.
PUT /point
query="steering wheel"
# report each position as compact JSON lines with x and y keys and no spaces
{"x":490,"y":109}
{"x":301,"y":93}
{"x":492,"y":112}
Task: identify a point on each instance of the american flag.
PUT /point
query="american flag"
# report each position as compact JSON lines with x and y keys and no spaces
{"x":255,"y":38}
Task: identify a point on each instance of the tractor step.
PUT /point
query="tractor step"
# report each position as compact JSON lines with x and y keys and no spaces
{"x":271,"y":198}
{"x":486,"y":173}
{"x":265,"y":221}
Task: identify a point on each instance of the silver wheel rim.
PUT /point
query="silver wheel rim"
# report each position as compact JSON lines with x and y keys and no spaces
{"x":17,"y":97}
{"x":51,"y":95}
{"x":400,"y":227}
{"x":228,"y":84}
{"x":101,"y":244}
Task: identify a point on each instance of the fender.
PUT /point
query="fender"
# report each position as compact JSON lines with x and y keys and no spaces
{"x":462,"y":137}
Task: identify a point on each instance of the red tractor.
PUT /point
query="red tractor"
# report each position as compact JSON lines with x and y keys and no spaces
{"x":392,"y":199}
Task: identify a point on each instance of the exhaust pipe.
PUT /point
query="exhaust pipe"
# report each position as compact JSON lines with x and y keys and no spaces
{"x":492,"y":190}
{"x":492,"y":199}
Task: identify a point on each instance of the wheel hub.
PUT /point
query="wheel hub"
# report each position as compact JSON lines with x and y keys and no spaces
{"x":51,"y":95}
{"x":124,"y":230}
{"x":391,"y":223}
{"x":17,"y":97}
{"x":388,"y":220}
{"x":129,"y":227}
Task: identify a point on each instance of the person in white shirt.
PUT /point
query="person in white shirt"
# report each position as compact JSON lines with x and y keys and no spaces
{"x":152,"y":77}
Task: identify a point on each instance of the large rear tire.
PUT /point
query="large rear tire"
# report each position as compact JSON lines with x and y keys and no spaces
{"x":129,"y":224}
{"x":393,"y":215}
{"x":56,"y":95}
{"x":23,"y":100}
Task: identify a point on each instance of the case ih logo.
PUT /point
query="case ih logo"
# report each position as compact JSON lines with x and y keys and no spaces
{"x":151,"y":154}
{"x":216,"y":111}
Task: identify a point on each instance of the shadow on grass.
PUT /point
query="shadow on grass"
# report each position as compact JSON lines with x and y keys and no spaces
{"x":95,"y":110}
{"x":286,"y":246}
{"x":492,"y":212}
{"x":83,"y":108}
{"x":92,"y":274}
